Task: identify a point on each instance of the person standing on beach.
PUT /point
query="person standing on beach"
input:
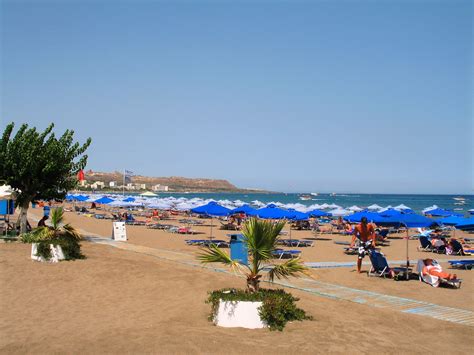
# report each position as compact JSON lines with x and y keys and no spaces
{"x":364,"y":232}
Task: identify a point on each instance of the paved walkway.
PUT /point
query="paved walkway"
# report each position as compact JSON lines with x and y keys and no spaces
{"x":322,"y":289}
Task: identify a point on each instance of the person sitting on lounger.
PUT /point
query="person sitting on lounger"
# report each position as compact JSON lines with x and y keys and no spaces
{"x":436,"y":270}
{"x":364,"y":232}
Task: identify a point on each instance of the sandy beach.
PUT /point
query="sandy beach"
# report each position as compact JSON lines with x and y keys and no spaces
{"x":118,"y":301}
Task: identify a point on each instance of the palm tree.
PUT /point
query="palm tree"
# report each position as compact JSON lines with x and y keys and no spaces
{"x":59,"y":233}
{"x":261,"y":238}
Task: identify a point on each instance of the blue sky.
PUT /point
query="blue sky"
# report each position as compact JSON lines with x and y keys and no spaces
{"x":344,"y":96}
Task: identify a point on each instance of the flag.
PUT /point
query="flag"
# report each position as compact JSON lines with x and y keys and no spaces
{"x":80,"y":175}
{"x":127,"y":176}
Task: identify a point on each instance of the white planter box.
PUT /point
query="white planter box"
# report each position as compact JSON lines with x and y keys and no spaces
{"x":56,"y":253}
{"x":239,"y":314}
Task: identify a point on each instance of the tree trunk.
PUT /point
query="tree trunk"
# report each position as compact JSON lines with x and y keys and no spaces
{"x":23,"y":217}
{"x":253,"y":283}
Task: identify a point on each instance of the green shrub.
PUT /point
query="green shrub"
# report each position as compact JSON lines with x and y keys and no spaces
{"x":278,"y":307}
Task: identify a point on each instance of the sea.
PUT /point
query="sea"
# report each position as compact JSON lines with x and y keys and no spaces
{"x":458,"y":203}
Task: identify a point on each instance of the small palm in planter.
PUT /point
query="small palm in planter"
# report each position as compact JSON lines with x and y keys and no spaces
{"x":274,"y":307}
{"x":47,"y":238}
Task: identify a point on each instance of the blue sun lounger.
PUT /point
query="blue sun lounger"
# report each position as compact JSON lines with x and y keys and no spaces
{"x":287,"y":254}
{"x":462,"y":264}
{"x":380,"y":265}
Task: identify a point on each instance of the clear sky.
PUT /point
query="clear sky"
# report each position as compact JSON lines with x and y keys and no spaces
{"x":344,"y":96}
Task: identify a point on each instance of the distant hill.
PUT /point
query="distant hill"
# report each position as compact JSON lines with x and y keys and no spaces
{"x":175,"y":183}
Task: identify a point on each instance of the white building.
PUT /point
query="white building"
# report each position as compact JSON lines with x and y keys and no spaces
{"x":113,"y":184}
{"x":159,"y":187}
{"x":98,"y":185}
{"x":140,"y":186}
{"x":130,"y":186}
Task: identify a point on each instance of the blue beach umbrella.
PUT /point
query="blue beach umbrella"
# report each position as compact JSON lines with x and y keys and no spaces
{"x":80,"y":198}
{"x":373,"y":217}
{"x":466,"y":225}
{"x":245,"y":209}
{"x":104,"y":200}
{"x":272,"y":212}
{"x":297,"y":215}
{"x":412,"y":220}
{"x":439,"y":212}
{"x":129,"y":199}
{"x":318,"y":213}
{"x":451,"y":220}
{"x":211,"y":209}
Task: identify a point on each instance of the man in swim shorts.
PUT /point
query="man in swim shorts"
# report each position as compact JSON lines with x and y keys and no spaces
{"x":365,"y":232}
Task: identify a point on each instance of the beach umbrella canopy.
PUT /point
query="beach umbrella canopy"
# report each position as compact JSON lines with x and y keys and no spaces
{"x":129,"y":199}
{"x":402,"y":207}
{"x":318,"y":213}
{"x":429,"y":209}
{"x":471,"y":211}
{"x":104,"y":200}
{"x":272,"y":212}
{"x":245,"y":209}
{"x":372,"y":217}
{"x":374,"y":207}
{"x":439,"y":212}
{"x":467,"y":224}
{"x":81,"y":198}
{"x":452,"y":220}
{"x":354,"y":208}
{"x":297,"y":215}
{"x":148,"y":194}
{"x":390,"y":213}
{"x":412,"y":220}
{"x":6,"y":193}
{"x":211,"y":209}
{"x":339,"y":212}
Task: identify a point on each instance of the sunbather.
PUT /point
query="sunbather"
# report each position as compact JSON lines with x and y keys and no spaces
{"x":436,"y":270}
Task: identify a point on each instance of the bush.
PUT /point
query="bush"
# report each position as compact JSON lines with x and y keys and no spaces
{"x":70,"y":246}
{"x":278,"y":306}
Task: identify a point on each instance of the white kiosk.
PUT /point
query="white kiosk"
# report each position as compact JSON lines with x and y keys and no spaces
{"x":119,"y":232}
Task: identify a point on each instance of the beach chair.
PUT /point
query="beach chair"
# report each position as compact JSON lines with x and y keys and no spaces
{"x":296,"y":243}
{"x":462,"y":264}
{"x":286,"y":254}
{"x":435,"y":281}
{"x":380,"y":266}
{"x":457,"y":248}
{"x":425,"y":244}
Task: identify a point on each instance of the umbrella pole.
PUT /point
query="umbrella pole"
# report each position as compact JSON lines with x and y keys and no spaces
{"x":408,"y":260}
{"x":211,"y":229}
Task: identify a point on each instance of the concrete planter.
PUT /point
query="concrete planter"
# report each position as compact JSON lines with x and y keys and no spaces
{"x":56,"y":253}
{"x":231,"y":314}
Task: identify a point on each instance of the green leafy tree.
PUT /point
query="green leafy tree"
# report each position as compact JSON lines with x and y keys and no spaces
{"x":261,"y":238}
{"x":38,"y":165}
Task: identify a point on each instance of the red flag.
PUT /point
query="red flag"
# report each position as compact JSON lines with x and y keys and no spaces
{"x":80,"y":175}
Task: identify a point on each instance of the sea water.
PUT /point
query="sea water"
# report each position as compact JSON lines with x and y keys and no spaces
{"x":415,"y":202}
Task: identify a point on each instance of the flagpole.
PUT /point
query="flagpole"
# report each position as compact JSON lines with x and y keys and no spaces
{"x":123,"y":185}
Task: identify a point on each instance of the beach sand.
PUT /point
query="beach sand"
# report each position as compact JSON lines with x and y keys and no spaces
{"x":117,"y":301}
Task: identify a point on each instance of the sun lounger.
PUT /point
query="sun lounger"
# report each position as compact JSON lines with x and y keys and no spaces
{"x":457,"y":248}
{"x":207,"y":242}
{"x":341,"y":242}
{"x":425,"y":244}
{"x":435,"y":281}
{"x":380,"y":266}
{"x":297,"y":243}
{"x":462,"y":264}
{"x":185,"y":230}
{"x":286,"y":254}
